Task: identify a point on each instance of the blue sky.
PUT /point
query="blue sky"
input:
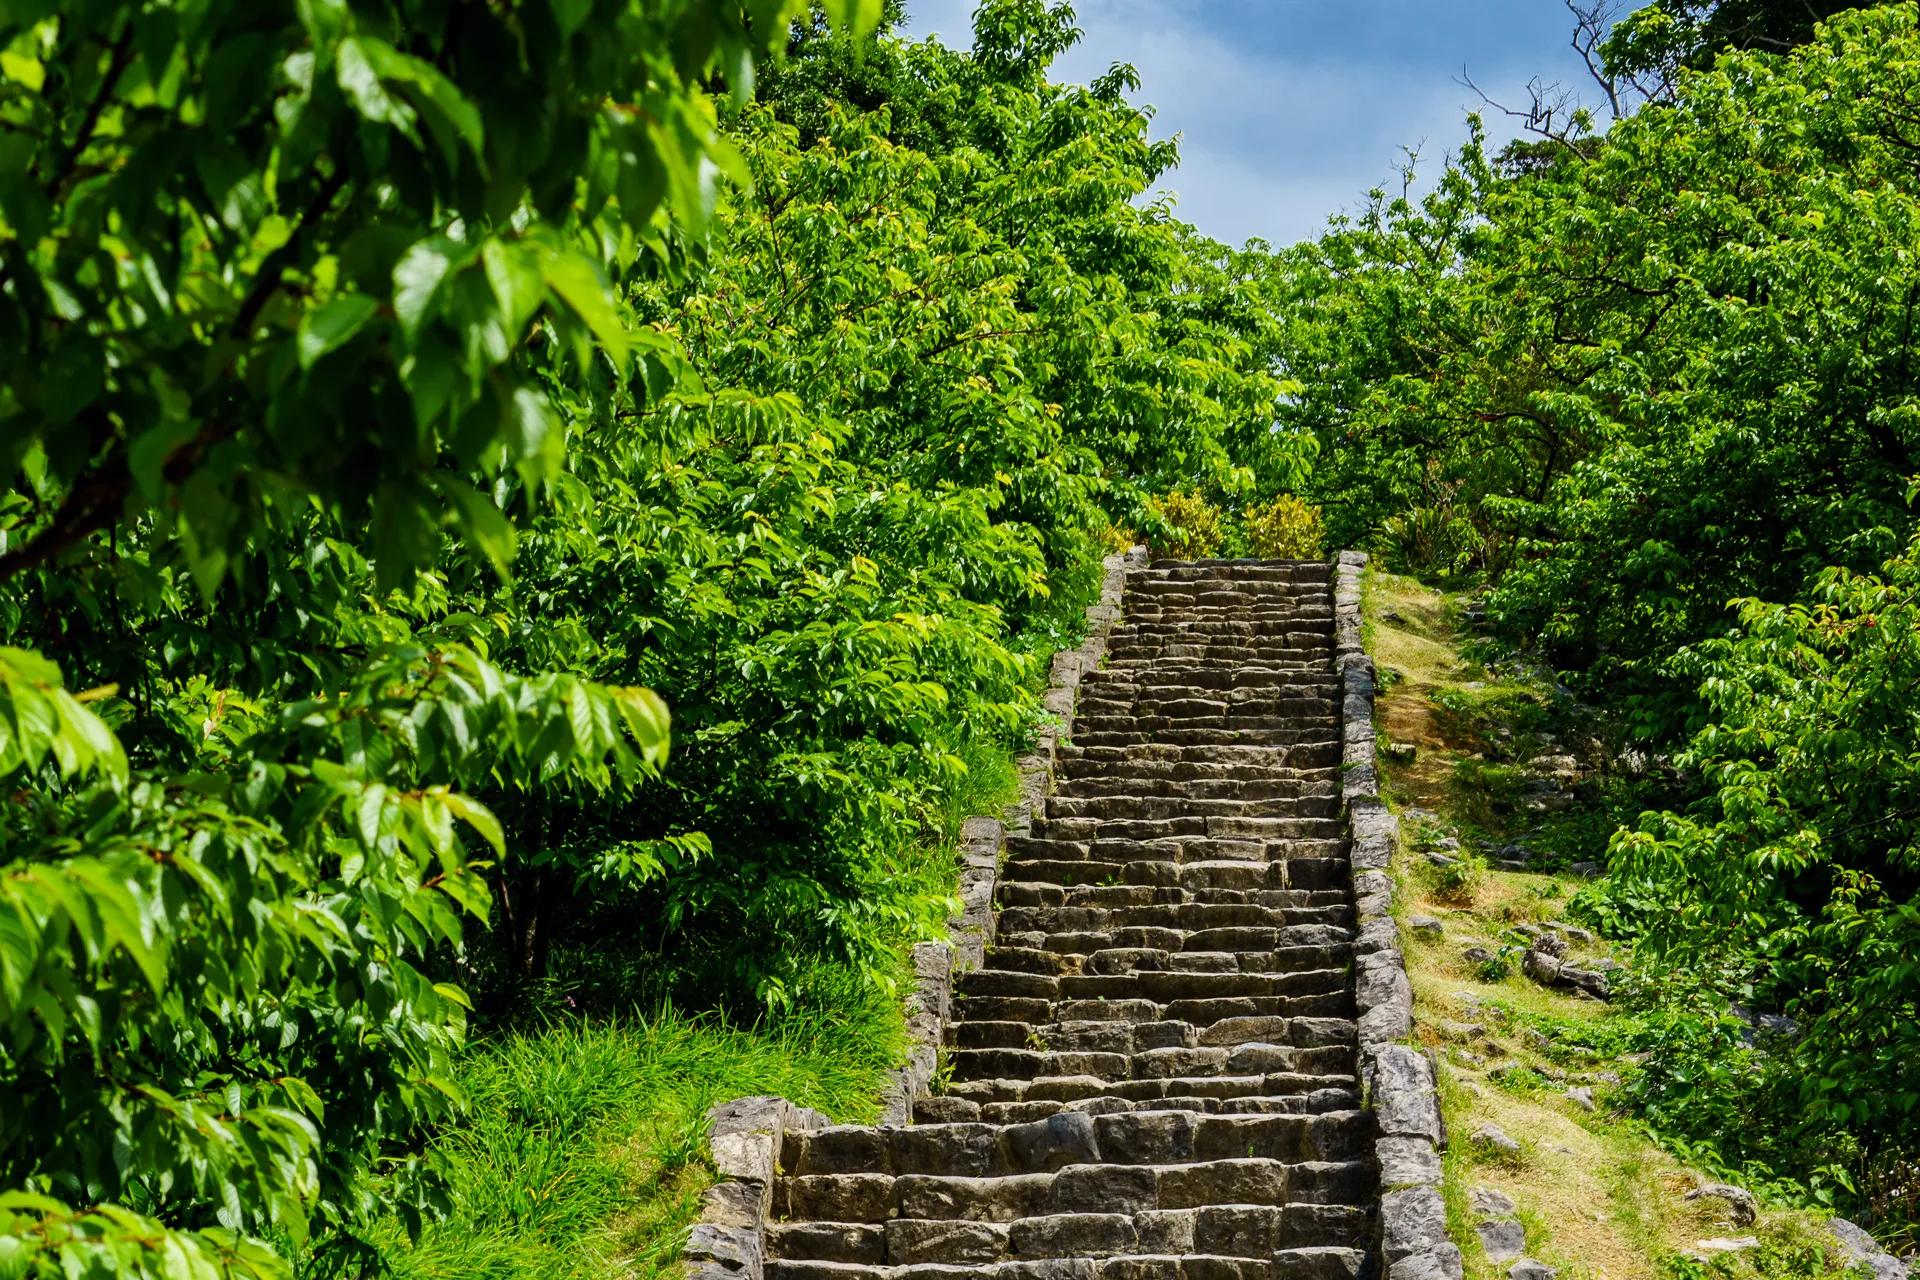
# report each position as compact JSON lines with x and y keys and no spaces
{"x":1289,"y":110}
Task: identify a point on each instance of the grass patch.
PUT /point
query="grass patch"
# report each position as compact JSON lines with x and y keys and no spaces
{"x":583,"y":1153}
{"x":1599,"y":1199}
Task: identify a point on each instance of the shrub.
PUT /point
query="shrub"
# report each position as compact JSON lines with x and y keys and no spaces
{"x":1194,"y":526}
{"x":1458,"y":882}
{"x":1288,"y":528}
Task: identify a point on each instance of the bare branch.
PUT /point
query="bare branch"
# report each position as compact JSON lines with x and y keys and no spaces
{"x":1591,"y":19}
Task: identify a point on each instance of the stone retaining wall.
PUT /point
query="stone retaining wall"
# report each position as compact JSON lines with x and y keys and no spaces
{"x":1400,"y":1079}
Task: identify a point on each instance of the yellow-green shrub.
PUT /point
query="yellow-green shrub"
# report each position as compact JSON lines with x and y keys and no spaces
{"x":1196,"y":532}
{"x":1288,"y":528}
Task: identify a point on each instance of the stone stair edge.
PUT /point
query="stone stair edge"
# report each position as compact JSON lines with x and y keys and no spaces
{"x":728,"y":1242}
{"x":1400,"y":1079}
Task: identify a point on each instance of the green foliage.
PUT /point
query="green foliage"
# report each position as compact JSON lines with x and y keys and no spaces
{"x":268,"y":257}
{"x":1801,"y":878}
{"x":1288,"y":528}
{"x":217,"y":985}
{"x":1459,"y":881}
{"x":1185,"y":526}
{"x":1618,"y":367}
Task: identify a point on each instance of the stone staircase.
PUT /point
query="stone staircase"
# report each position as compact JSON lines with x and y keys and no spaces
{"x":1154,"y":1075}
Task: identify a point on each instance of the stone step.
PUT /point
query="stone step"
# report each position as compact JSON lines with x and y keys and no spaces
{"x":1226,"y":1178}
{"x":1199,"y":826}
{"x":1198,"y":790}
{"x":1119,"y":1035}
{"x":1318,"y":1096}
{"x":1108,"y":961}
{"x":1190,"y":916}
{"x":1183,"y":851}
{"x":1316,"y":1263}
{"x":1300,"y":940}
{"x":1173,"y":1062}
{"x":1307,"y":746}
{"x":989,"y":1150}
{"x":1062,"y":805}
{"x":1165,"y":987}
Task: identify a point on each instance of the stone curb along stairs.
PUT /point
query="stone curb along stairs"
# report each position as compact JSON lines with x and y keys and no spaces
{"x":1409,"y":1132}
{"x":1217,"y":661}
{"x":746,"y":1134}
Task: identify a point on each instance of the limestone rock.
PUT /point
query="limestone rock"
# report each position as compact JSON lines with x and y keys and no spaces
{"x":1426,"y":926}
{"x":1503,"y":1239}
{"x":1542,"y":967}
{"x":1739,"y":1202}
{"x":1703,"y":1249}
{"x":1492,"y":1203}
{"x":1528,"y":1269}
{"x":1860,"y":1248}
{"x":1581,"y":1097}
{"x":1493,"y":1137}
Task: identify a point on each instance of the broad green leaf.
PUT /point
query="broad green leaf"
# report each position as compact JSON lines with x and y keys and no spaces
{"x":418,"y":279}
{"x":577,"y":281}
{"x":333,"y":325}
{"x":513,"y":269}
{"x":482,"y":520}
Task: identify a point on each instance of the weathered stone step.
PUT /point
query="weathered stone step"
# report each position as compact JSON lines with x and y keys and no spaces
{"x":1191,"y":916}
{"x":1245,"y":940}
{"x":1108,"y":782}
{"x":1222,"y":827}
{"x":1315,"y":1096}
{"x":988,"y":1150}
{"x":1264,"y":1060}
{"x":1273,"y":1093}
{"x":1179,"y":1264}
{"x":1192,"y":851}
{"x":1110,"y":807}
{"x":1121,"y":1035}
{"x":1227,"y":1230}
{"x":1130,"y":1187}
{"x":1018,"y":957}
{"x":1209,"y":881}
{"x":1307,"y":745}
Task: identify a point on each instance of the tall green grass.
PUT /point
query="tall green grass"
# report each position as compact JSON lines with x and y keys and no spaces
{"x":583,"y":1153}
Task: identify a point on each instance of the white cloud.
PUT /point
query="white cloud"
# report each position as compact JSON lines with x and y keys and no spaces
{"x":1290,"y":112}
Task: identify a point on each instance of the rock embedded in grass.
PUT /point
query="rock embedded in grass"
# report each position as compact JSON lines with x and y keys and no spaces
{"x":1741,"y":1206}
{"x":1426,"y":926}
{"x":1581,"y":1097}
{"x":1491,"y":1203}
{"x":1502,"y":1239}
{"x":1704,"y":1249}
{"x":1494,"y":1138}
{"x":1529,"y":1269}
{"x":1861,"y":1249}
{"x":1542,"y":966}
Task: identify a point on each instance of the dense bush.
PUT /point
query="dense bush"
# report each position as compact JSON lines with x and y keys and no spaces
{"x":1653,"y":371}
{"x":1286,"y":528}
{"x":1797,"y":885}
{"x":1185,"y":526}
